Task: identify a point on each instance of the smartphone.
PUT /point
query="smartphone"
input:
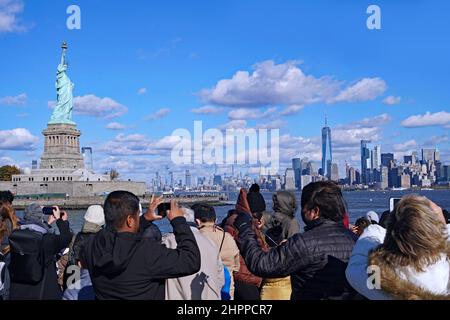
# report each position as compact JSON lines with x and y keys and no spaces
{"x":162,"y":209}
{"x":392,"y":203}
{"x":48,"y":211}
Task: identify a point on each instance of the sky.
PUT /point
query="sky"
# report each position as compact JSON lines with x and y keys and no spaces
{"x":143,"y":69}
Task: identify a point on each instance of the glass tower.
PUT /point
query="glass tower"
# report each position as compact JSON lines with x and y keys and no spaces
{"x":327,"y":157}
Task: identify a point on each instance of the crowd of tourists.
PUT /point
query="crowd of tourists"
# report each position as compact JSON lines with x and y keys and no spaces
{"x":254,"y":253}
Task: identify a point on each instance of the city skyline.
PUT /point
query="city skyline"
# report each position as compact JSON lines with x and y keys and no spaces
{"x":133,"y":84}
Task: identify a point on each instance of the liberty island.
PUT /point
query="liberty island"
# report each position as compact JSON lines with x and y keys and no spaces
{"x":62,"y":172}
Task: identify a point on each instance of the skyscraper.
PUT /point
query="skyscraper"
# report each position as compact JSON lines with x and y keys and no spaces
{"x":386,"y":159}
{"x":188,"y":179}
{"x":87,"y":155}
{"x":334,"y":172}
{"x":365,"y":161}
{"x":289,"y":179}
{"x":326,"y":150}
{"x":428,"y":155}
{"x":376,"y":157}
{"x":297,"y":167}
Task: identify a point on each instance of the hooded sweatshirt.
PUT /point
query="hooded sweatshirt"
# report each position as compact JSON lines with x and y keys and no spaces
{"x":129,"y":266}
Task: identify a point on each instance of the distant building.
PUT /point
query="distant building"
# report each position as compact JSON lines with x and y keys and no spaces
{"x":384,"y":181}
{"x":87,"y":156}
{"x":376,"y":157}
{"x":334,"y":172}
{"x":405,"y":181}
{"x":217,"y":180}
{"x":297,"y":167}
{"x":327,"y":155}
{"x":351,"y":176}
{"x":428,"y":155}
{"x":34,"y":164}
{"x":188,"y":179}
{"x":305,"y":180}
{"x":289,"y":179}
{"x":366,"y":165}
{"x":386,"y":159}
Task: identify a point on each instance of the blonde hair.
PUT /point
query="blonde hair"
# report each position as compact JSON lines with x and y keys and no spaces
{"x":415,"y":235}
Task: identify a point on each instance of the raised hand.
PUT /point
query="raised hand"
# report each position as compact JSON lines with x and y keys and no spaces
{"x":175,"y":210}
{"x":151,"y":215}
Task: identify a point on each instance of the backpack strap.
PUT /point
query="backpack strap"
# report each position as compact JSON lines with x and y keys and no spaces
{"x":223,"y":239}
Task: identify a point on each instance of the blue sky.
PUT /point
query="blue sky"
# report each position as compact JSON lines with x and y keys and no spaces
{"x":145,"y":67}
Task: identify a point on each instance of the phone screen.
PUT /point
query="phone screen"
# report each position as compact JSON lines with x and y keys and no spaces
{"x":162,"y":209}
{"x":48,"y":211}
{"x":392,"y":203}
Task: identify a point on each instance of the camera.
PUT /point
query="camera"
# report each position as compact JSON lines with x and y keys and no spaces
{"x":392,"y":203}
{"x":48,"y":211}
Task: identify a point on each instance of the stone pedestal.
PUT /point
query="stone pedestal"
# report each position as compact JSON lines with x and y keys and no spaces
{"x":62,"y":147}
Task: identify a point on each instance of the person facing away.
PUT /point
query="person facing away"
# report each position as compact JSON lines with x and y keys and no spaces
{"x":247,"y":284}
{"x":124,"y":264}
{"x":33,"y":254}
{"x":315,"y":259}
{"x":94,"y":220}
{"x":207,"y":283}
{"x":205,"y":217}
{"x":8,"y":223}
{"x":361,"y":224}
{"x":411,"y":256}
{"x":282,"y":224}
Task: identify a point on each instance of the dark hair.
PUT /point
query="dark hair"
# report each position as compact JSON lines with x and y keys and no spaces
{"x":7,"y":196}
{"x":204,"y":212}
{"x":327,"y":196}
{"x":385,"y":218}
{"x":446,"y":216}
{"x":362,"y":223}
{"x":254,"y":188}
{"x":118,"y":206}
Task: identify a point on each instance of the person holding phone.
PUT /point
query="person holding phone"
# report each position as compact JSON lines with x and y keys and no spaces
{"x":33,"y":251}
{"x":125,"y":264}
{"x":409,"y":259}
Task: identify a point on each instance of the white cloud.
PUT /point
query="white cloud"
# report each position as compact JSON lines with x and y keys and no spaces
{"x":5,"y":161}
{"x":391,"y":100}
{"x":19,"y":100}
{"x":17,"y":139}
{"x":292,"y":109}
{"x":138,"y":144}
{"x":234,"y":124}
{"x":434,"y":140}
{"x":405,"y":146}
{"x":363,"y":90}
{"x":9,"y":16}
{"x":142,"y":91}
{"x":91,"y":105}
{"x":287,"y":84}
{"x":275,"y":124}
{"x":115,"y":126}
{"x":247,"y":113}
{"x":376,"y":121}
{"x":441,"y":118}
{"x":207,"y":110}
{"x":158,"y":114}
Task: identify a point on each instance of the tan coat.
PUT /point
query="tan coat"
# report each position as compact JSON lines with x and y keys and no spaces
{"x":229,"y":252}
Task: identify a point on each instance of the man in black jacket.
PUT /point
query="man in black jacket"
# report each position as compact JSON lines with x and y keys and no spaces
{"x":315,"y":259}
{"x":52,"y":244}
{"x":126,"y":264}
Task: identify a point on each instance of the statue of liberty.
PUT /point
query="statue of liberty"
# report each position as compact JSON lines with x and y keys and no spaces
{"x":62,"y":114}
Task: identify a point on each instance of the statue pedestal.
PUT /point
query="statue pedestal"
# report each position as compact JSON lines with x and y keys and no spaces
{"x":62,"y":147}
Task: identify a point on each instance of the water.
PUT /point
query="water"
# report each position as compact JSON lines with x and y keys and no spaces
{"x":359,"y":202}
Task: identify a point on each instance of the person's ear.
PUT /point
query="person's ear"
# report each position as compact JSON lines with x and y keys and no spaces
{"x":198,"y":222}
{"x":130,"y":221}
{"x":315,"y":213}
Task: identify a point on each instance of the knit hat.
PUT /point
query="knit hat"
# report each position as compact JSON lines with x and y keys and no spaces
{"x":33,"y":215}
{"x":372,"y":216}
{"x":95,"y":215}
{"x":256,"y":202}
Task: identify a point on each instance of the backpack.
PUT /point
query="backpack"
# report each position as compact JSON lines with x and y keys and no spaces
{"x":27,"y":256}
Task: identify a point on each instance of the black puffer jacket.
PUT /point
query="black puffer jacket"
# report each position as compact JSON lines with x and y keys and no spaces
{"x":315,"y":259}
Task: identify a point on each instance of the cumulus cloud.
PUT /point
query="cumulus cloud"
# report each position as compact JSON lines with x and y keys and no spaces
{"x":434,"y":140}
{"x":142,"y":91}
{"x":247,"y":113}
{"x":17,"y":139}
{"x":158,"y":114}
{"x":441,"y":118}
{"x":287,"y":84}
{"x":93,"y":106}
{"x":10,"y":11}
{"x":115,"y":126}
{"x":207,"y":110}
{"x":138,"y":144}
{"x":19,"y":100}
{"x":5,"y":161}
{"x":275,"y":124}
{"x":292,"y":109}
{"x":234,"y":124}
{"x":363,"y":90}
{"x":391,"y":100}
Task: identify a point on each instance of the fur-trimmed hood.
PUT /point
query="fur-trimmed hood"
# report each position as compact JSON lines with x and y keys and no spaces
{"x":410,"y":285}
{"x":396,"y":283}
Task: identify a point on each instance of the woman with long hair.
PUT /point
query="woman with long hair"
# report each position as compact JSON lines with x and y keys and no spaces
{"x":8,"y":223}
{"x":408,"y":260}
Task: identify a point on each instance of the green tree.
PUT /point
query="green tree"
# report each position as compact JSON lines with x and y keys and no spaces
{"x":113,"y":174}
{"x":6,"y":172}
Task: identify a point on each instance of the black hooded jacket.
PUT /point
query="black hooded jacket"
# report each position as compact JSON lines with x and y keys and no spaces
{"x":134,"y":267}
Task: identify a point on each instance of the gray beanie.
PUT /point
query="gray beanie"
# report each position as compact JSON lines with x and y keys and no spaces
{"x":33,"y":215}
